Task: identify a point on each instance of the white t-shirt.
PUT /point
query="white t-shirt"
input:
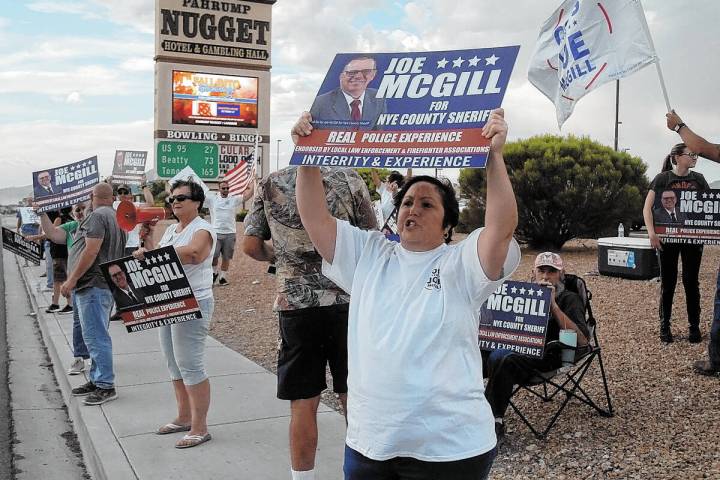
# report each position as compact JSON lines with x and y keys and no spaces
{"x":222,"y":212}
{"x":133,"y":236}
{"x":386,"y":202}
{"x":415,"y":385}
{"x":200,"y":276}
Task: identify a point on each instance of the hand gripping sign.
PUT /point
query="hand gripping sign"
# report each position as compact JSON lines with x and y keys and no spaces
{"x":406,"y":110}
{"x":153,"y":292}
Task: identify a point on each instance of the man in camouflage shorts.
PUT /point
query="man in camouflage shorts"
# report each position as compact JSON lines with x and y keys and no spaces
{"x":312,"y":310}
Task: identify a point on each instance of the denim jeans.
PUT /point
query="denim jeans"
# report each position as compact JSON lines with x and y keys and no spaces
{"x":94,"y":305}
{"x":691,"y":256}
{"x":48,"y":264}
{"x":360,"y":467}
{"x":714,"y":343}
{"x":183,"y":345}
{"x":79,"y":348}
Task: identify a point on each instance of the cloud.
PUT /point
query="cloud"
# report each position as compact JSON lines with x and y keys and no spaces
{"x":55,"y":144}
{"x":73,"y":97}
{"x":72,"y":8}
{"x":91,"y":80}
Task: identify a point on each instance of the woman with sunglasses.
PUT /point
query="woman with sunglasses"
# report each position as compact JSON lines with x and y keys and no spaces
{"x":183,"y":344}
{"x":675,"y":174}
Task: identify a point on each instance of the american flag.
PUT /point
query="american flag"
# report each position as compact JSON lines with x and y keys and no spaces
{"x":240,"y":177}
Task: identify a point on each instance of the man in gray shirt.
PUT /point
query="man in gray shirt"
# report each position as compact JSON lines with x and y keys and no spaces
{"x":98,"y":239}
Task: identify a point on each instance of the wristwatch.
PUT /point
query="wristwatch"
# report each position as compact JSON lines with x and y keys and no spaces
{"x":678,"y":127}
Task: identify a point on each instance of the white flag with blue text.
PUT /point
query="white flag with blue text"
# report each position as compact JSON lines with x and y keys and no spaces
{"x":585,"y":44}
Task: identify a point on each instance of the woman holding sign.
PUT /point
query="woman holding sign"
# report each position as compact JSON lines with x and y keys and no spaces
{"x":184,"y":343}
{"x":416,"y":407}
{"x":675,"y":175}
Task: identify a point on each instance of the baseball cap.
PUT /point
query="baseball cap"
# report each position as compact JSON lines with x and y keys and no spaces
{"x":125,"y":186}
{"x":549,"y":259}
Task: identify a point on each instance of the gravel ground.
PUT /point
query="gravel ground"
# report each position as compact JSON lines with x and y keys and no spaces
{"x":666,"y":418}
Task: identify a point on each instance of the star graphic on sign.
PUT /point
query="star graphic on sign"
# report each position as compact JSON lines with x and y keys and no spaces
{"x":167,"y":257}
{"x":539,"y":292}
{"x":711,"y":196}
{"x":522,"y":291}
{"x":491,"y":59}
{"x":704,"y":195}
{"x":442,"y":63}
{"x":473,"y":61}
{"x":531,"y":292}
{"x":513,"y":290}
{"x":458,"y":62}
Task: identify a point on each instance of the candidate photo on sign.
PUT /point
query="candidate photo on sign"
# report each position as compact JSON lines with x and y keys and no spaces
{"x":668,"y":213}
{"x":125,"y":295}
{"x":352,"y":101}
{"x":44,"y":185}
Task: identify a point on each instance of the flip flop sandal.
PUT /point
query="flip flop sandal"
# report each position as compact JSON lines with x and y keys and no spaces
{"x":195,"y":440}
{"x":172,"y":428}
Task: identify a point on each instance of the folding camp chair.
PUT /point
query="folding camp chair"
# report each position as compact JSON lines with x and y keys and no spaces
{"x":568,"y":379}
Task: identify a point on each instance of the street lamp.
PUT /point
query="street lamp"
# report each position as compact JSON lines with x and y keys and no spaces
{"x":277,"y":156}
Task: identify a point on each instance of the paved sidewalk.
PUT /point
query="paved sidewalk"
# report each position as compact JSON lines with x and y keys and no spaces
{"x":248,"y":423}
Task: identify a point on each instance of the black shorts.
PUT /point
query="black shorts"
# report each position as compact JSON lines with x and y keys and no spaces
{"x":312,"y":338}
{"x":59,"y":269}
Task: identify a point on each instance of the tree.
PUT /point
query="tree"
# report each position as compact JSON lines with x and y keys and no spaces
{"x":367,"y":178}
{"x":565,"y":188}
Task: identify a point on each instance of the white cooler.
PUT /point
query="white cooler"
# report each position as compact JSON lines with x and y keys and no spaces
{"x":627,"y":257}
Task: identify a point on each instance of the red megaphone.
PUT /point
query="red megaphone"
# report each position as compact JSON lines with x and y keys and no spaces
{"x":128,"y":215}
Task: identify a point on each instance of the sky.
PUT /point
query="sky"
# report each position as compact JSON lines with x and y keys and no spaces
{"x":76,"y":76}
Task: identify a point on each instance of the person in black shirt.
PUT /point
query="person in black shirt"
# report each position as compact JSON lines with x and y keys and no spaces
{"x":711,"y":151}
{"x":506,"y":369}
{"x":676,"y":174}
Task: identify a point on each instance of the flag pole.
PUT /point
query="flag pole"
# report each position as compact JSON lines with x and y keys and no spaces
{"x":657,"y":61}
{"x":617,"y":111}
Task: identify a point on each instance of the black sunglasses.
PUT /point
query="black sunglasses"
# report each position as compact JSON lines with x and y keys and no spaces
{"x":179,"y":198}
{"x":122,"y":191}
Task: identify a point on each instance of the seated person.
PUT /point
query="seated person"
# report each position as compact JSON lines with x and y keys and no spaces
{"x":506,"y":369}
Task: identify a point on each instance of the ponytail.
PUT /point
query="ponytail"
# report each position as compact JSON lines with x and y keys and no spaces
{"x":670,"y":161}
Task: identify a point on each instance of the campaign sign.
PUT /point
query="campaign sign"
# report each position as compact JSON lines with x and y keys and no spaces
{"x":129,"y":167}
{"x":153,"y":292}
{"x":61,"y":187}
{"x":406,"y":110}
{"x":515,"y":318}
{"x":17,"y":244}
{"x":688,"y":216}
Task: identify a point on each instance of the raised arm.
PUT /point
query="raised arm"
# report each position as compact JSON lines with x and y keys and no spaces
{"x":375,"y":178}
{"x":197,"y":250}
{"x":501,"y":215}
{"x":695,"y":142}
{"x":52,"y":232}
{"x":311,"y":202}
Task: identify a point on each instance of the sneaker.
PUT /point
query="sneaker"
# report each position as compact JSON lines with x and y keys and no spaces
{"x":704,"y":367}
{"x":83,"y":390}
{"x":77,"y":367}
{"x":223,"y":281}
{"x":695,"y":336}
{"x":66,"y":309}
{"x":500,"y":434}
{"x":43,"y":275}
{"x":215,"y":275}
{"x":52,"y":308}
{"x":100,"y":396}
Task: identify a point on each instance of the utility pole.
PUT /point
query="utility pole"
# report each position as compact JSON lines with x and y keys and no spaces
{"x":617,"y":111}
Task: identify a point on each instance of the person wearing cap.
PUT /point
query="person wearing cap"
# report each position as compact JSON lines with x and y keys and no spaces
{"x":506,"y":368}
{"x":123,"y":192}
